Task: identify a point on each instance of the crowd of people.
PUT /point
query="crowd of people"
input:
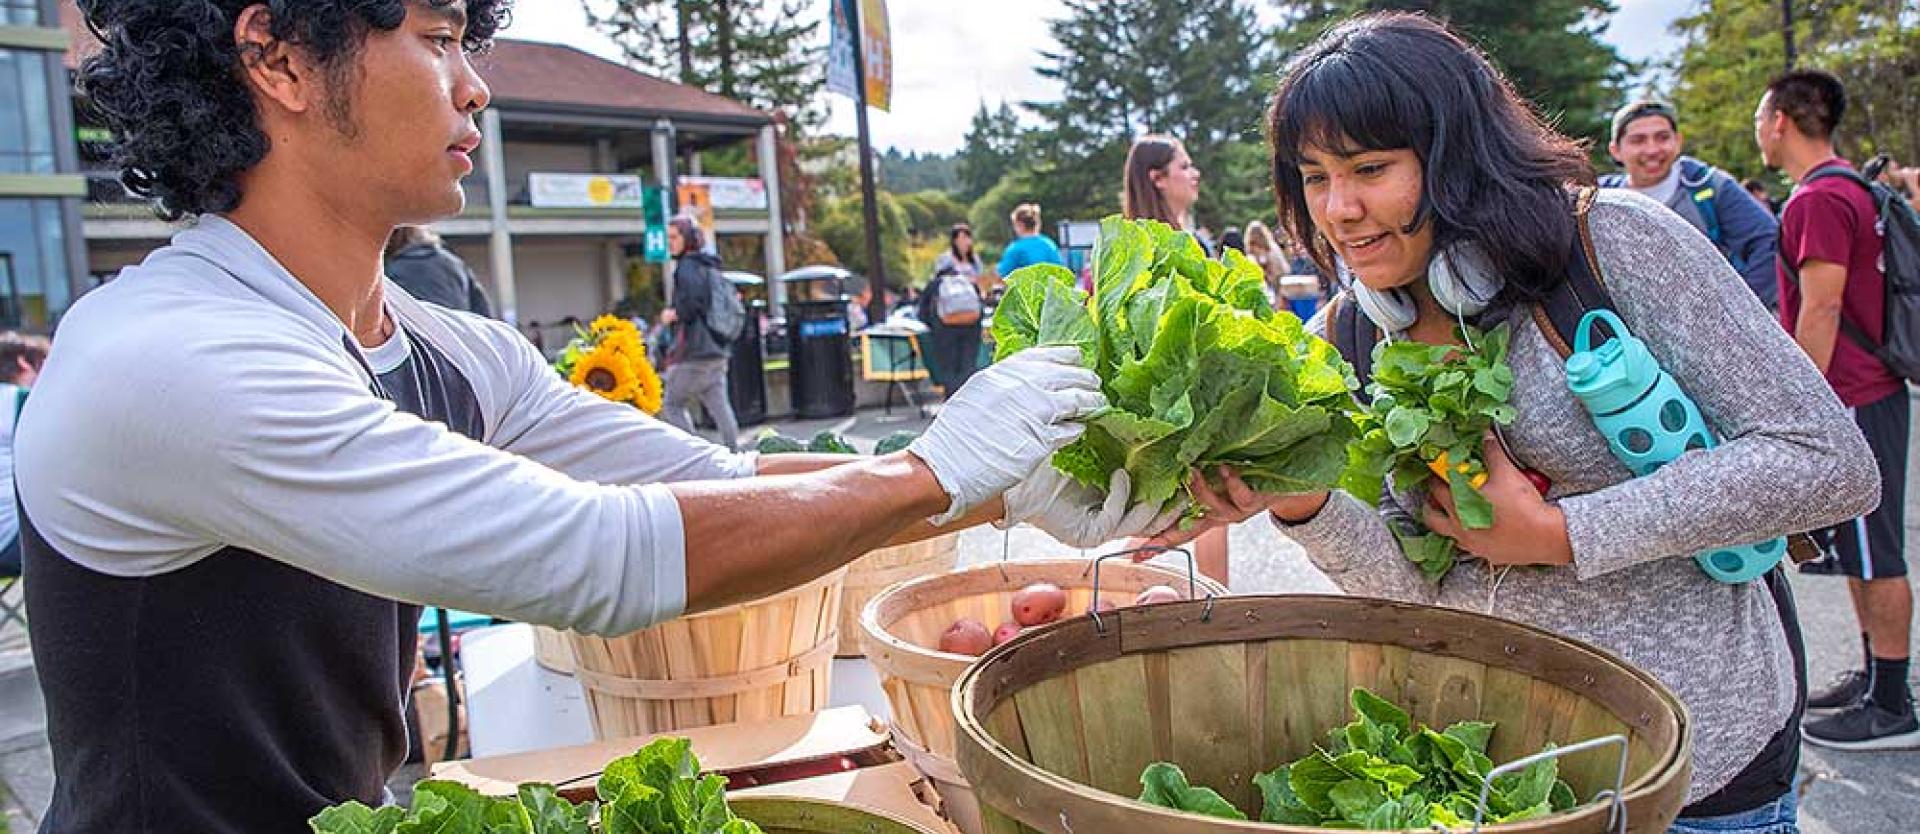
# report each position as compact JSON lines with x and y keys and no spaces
{"x":248,"y":461}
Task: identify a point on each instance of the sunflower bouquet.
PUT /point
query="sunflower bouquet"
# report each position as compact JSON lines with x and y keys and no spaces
{"x":609,"y":359}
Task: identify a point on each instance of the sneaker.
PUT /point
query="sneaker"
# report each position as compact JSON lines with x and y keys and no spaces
{"x":1848,"y":688}
{"x":1864,"y":726}
{"x":1823,"y":566}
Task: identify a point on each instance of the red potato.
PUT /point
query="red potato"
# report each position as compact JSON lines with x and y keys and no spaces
{"x":966,"y":636}
{"x":1038,"y":604}
{"x":1157,"y":594}
{"x":1100,"y":606}
{"x":1006,"y":631}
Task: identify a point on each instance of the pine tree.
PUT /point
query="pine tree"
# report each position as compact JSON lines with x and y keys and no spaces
{"x":991,"y":149}
{"x":763,"y":54}
{"x":1194,"y":69}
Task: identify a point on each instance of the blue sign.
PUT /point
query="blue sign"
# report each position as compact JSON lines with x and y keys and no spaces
{"x":823,"y":327}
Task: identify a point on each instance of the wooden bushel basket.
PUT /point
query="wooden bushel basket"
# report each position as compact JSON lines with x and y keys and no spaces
{"x":901,"y":626}
{"x":756,"y":660}
{"x":884,"y":568}
{"x":1057,"y":725}
{"x":552,"y":650}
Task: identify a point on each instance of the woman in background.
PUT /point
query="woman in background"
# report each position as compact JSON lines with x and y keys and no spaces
{"x":951,"y":308}
{"x":1162,"y":183}
{"x":1265,"y":251}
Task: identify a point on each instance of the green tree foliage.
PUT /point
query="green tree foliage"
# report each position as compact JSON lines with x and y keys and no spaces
{"x":930,"y":213}
{"x":765,"y":54}
{"x":1193,"y":69}
{"x":991,"y":149}
{"x":1733,"y":47}
{"x":905,"y":172}
{"x":842,"y":228}
{"x":1551,"y":49}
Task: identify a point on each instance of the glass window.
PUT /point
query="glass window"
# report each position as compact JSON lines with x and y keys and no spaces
{"x":34,"y":288}
{"x":26,"y":114}
{"x":19,"y":12}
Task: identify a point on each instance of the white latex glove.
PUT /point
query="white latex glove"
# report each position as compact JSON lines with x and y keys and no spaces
{"x":1067,"y":510}
{"x":1007,"y":419}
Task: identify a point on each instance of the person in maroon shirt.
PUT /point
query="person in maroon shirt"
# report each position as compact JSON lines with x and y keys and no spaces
{"x":1829,"y":271}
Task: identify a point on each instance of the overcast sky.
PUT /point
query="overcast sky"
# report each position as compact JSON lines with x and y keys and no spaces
{"x":948,"y":57}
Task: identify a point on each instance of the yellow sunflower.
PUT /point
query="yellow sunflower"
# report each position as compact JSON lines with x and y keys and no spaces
{"x":648,"y":391}
{"x":607,"y":373}
{"x":609,"y":323}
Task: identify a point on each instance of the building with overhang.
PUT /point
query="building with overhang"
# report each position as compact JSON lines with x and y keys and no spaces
{"x":553,"y":224}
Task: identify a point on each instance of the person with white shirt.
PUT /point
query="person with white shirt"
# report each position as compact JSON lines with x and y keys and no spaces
{"x":251,"y":458}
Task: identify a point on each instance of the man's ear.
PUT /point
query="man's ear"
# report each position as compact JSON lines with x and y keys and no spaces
{"x":277,"y":71}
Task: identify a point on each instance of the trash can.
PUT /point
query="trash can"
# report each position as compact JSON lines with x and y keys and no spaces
{"x":819,"y":344}
{"x":747,"y":368}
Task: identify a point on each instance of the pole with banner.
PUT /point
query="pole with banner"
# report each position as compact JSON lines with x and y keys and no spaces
{"x":865,"y":36}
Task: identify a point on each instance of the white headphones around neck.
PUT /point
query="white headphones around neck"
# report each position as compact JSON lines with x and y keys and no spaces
{"x":1461,"y":278}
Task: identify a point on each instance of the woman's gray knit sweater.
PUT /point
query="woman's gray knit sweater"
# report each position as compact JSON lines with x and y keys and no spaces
{"x":1791,"y":460}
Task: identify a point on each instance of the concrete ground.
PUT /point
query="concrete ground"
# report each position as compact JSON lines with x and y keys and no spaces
{"x":1843,"y":793}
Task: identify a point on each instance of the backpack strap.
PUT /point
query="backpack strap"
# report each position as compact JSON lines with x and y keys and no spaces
{"x":1703,"y":202}
{"x":1558,"y":315}
{"x":1354,"y":335}
{"x":1847,"y":326}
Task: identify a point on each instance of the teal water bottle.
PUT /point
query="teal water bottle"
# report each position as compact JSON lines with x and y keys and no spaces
{"x":1648,"y":421}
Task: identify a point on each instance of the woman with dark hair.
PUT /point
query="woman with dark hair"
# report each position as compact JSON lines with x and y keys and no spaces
{"x":1410,"y":164}
{"x":1162,"y":183}
{"x":952,"y":308}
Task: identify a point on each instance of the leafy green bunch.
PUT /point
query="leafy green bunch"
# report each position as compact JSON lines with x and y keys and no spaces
{"x":658,"y":790}
{"x":1431,"y":408}
{"x":771,"y":442}
{"x":1383,"y":771}
{"x":1197,"y":367}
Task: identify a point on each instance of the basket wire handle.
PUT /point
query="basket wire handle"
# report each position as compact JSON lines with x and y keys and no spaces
{"x":1193,"y":582}
{"x":1006,"y":549}
{"x":1617,"y":810}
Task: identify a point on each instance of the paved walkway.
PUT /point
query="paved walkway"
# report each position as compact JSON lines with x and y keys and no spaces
{"x":1877,"y":793}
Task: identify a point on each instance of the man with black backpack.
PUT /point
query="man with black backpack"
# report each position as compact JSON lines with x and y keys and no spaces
{"x":706,"y":316}
{"x":1846,"y":271}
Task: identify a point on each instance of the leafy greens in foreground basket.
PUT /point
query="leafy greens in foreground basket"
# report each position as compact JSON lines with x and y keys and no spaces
{"x":1197,"y":367}
{"x":1383,"y":771}
{"x":658,"y":790}
{"x":1431,"y":408}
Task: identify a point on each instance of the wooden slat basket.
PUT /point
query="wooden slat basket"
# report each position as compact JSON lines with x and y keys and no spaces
{"x":756,"y":660}
{"x":901,"y":627}
{"x":552,"y":650}
{"x":1057,"y":725}
{"x":884,"y":568}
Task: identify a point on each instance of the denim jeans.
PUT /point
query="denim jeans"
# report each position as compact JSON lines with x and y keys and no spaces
{"x":1781,"y":816}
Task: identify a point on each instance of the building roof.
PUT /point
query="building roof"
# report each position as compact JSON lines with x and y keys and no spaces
{"x":545,"y":76}
{"x":553,"y":75}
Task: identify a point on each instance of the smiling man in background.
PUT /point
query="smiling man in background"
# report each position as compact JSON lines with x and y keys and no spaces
{"x":1647,"y":142}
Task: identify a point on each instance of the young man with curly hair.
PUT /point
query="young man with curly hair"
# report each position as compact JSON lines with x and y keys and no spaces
{"x":251,"y":458}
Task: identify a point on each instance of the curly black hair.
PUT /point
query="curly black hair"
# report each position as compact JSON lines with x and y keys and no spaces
{"x":168,"y":82}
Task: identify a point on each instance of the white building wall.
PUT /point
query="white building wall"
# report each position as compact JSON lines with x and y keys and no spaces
{"x":560,"y":278}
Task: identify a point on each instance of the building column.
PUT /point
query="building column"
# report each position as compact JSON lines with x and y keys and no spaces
{"x":500,"y":238}
{"x":776,"y":233}
{"x":663,"y":147}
